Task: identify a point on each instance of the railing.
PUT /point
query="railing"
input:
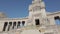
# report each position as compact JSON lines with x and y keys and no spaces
{"x":31,"y":27}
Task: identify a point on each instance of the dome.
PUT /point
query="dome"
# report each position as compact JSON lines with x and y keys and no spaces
{"x":2,"y":15}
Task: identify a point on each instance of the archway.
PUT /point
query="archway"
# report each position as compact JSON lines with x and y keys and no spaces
{"x":57,"y":20}
{"x":5,"y":25}
{"x":18,"y":24}
{"x":14,"y":24}
{"x":10,"y":24}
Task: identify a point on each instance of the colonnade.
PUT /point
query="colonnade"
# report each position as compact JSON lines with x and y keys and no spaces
{"x":12,"y":25}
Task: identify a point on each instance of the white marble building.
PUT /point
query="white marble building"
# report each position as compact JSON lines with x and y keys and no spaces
{"x":39,"y":21}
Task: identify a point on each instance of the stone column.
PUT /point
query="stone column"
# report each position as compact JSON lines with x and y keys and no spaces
{"x":16,"y":24}
{"x":21,"y":24}
{"x":11,"y":26}
{"x":7,"y":26}
{"x":52,"y":21}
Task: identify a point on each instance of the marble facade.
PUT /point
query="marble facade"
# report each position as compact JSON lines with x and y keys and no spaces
{"x":39,"y":21}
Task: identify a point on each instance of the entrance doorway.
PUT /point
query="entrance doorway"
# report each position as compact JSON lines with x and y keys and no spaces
{"x":37,"y":22}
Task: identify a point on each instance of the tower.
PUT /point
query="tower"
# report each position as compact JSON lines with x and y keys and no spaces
{"x":37,"y":11}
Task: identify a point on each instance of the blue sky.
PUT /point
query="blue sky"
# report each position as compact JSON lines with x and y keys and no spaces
{"x":19,"y":8}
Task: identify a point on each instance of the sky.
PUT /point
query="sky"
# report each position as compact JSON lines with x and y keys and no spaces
{"x":19,"y":8}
